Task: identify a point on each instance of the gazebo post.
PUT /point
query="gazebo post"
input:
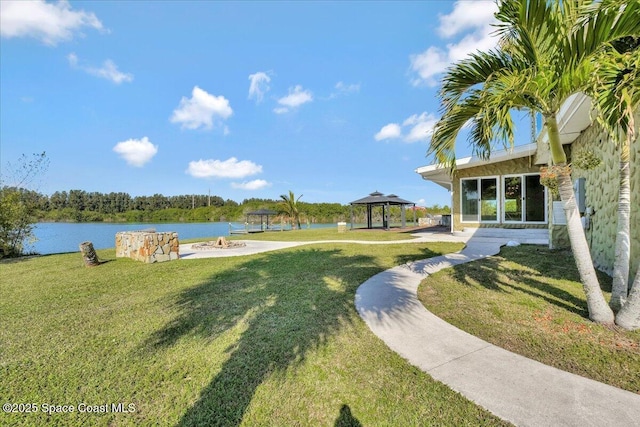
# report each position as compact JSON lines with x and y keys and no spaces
{"x":414,"y":215}
{"x":351,"y":212}
{"x":388,"y":216}
{"x":403,"y":219}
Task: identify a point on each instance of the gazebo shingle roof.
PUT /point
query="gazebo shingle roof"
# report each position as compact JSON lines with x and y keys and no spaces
{"x":377,"y":198}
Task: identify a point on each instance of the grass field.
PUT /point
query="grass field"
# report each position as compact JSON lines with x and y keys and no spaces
{"x":329,"y":233}
{"x":529,"y":300}
{"x":270,"y":339}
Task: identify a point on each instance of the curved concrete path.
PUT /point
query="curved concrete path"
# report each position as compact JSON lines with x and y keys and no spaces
{"x":517,"y":389}
{"x":258,"y":246}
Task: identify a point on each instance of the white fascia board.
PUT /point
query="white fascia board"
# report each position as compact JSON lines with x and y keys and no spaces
{"x":440,"y":174}
{"x":573,"y":117}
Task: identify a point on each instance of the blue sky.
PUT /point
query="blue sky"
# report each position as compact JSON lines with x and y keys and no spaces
{"x":332,"y":100}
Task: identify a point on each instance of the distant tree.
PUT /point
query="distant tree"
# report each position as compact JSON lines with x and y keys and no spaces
{"x":18,"y":207}
{"x":289,"y":206}
{"x":58,"y":200}
{"x":77,"y":199}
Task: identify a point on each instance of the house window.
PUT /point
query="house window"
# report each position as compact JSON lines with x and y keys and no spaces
{"x":524,"y":199}
{"x":479,"y":199}
{"x":469,"y":191}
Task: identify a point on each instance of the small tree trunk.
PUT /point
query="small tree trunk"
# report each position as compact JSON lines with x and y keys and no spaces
{"x":620,"y":286}
{"x":89,"y":254}
{"x":629,"y":316}
{"x":599,"y":310}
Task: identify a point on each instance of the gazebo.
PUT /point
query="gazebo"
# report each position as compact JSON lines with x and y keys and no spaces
{"x":262,"y":213}
{"x":378,"y":199}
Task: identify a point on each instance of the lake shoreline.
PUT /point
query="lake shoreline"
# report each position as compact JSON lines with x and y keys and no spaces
{"x":65,"y":237}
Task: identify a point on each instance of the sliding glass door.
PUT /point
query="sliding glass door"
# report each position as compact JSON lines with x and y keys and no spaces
{"x":479,"y":199}
{"x":535,"y":200}
{"x":469,"y":199}
{"x":524,"y":199}
{"x":506,"y":199}
{"x":488,"y":199}
{"x":513,"y":198}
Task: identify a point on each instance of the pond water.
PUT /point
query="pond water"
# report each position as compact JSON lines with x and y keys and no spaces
{"x":57,"y":237}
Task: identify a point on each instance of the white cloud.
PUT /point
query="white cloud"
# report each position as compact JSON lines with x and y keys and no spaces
{"x":297,"y":96}
{"x":259,"y":85}
{"x":347,"y":88}
{"x":73,"y":59}
{"x":201,"y":109}
{"x":428,"y":64}
{"x":230,"y":168}
{"x":256,"y":184}
{"x":49,"y":22}
{"x":136,"y":152}
{"x":108,"y":71}
{"x":418,"y":128}
{"x":472,"y":21}
{"x":467,"y":15}
{"x":421,"y":127}
{"x":390,"y":131}
{"x":482,"y":40}
{"x":342,"y":88}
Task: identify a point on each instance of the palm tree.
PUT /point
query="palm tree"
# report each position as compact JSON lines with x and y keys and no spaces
{"x":544,"y":56}
{"x":616,"y":93}
{"x":289,"y":205}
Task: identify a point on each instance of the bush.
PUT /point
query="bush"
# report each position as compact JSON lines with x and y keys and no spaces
{"x":16,"y":222}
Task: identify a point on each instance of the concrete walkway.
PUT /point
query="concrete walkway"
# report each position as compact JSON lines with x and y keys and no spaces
{"x":517,"y":389}
{"x":259,"y":246}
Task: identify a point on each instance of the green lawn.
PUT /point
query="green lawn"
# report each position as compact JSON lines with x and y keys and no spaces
{"x":329,"y":233}
{"x":529,"y":300}
{"x":269,"y":339}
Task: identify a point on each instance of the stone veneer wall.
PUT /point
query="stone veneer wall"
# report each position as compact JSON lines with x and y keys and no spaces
{"x":602,"y":186}
{"x":147,"y":246}
{"x":515,"y":166}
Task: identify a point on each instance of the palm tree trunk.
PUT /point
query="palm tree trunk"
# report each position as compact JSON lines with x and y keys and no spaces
{"x":629,"y":316}
{"x":620,"y":287}
{"x":599,"y":311}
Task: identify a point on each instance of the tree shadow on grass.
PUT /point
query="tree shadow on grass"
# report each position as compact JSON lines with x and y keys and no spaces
{"x":346,"y":418}
{"x":425,"y":253}
{"x":288,"y":303}
{"x":540,"y":264}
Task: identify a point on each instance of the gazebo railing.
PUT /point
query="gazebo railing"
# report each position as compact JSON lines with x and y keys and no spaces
{"x":245,"y":228}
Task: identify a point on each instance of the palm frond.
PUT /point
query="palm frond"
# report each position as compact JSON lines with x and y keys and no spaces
{"x":615,"y":89}
{"x":443,"y":139}
{"x":472,"y":71}
{"x":545,"y":55}
{"x":602,"y":23}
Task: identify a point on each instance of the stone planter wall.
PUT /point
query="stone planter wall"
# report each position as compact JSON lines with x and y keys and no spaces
{"x":147,"y":246}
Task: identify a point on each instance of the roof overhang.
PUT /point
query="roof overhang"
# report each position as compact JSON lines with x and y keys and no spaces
{"x":441,"y":175}
{"x":573,"y":118}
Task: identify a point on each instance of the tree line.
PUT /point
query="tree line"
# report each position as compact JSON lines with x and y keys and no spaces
{"x":84,"y":206}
